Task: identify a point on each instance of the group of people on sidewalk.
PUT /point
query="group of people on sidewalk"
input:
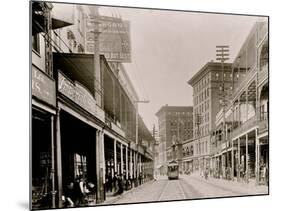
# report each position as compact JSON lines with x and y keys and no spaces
{"x":215,"y":173}
{"x":78,"y":192}
{"x":117,"y":183}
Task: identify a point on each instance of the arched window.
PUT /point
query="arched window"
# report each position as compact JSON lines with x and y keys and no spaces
{"x":264,"y":56}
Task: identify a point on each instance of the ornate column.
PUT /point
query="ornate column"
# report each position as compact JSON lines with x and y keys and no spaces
{"x":115,"y":157}
{"x":232,"y":160}
{"x":127,"y":175}
{"x":247,"y":159}
{"x":238,"y":164}
{"x":257,"y":169}
{"x":53,"y":163}
{"x":59,"y":162}
{"x":122,"y":166}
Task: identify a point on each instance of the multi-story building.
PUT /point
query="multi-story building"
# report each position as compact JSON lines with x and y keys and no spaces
{"x":207,"y":101}
{"x":85,"y":121}
{"x":240,"y":140}
{"x":175,"y":126}
{"x":187,"y":156}
{"x":44,"y":20}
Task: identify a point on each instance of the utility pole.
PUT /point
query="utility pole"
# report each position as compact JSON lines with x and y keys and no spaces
{"x":222,"y":56}
{"x":97,"y":73}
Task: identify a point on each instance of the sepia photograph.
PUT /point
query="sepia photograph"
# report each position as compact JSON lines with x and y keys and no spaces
{"x":142,"y":105}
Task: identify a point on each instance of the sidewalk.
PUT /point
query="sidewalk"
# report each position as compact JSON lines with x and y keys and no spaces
{"x":234,"y":186}
{"x":111,"y":199}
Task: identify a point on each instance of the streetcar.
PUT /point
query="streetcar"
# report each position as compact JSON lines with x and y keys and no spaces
{"x":173,"y":170}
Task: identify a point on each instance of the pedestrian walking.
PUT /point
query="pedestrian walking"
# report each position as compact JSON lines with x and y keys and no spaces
{"x":69,"y":195}
{"x":114,"y":182}
{"x":120,"y":185}
{"x":79,"y":193}
{"x":140,"y":178}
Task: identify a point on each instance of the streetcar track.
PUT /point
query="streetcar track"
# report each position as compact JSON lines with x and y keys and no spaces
{"x":181,"y":189}
{"x":163,"y":191}
{"x":194,"y":192}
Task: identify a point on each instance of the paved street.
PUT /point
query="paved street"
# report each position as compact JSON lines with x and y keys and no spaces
{"x":187,"y":187}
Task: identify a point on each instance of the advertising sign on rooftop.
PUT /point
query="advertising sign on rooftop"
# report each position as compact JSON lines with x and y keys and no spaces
{"x":114,"y":37}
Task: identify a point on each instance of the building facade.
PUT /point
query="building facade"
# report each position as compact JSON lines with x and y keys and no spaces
{"x":187,"y":156}
{"x":84,"y":112}
{"x":240,"y":140}
{"x":175,"y":126}
{"x":207,"y":101}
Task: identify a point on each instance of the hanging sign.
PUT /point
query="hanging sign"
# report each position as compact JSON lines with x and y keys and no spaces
{"x":114,"y":37}
{"x":77,"y":93}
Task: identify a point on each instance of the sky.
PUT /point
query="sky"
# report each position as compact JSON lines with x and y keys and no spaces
{"x":169,"y":47}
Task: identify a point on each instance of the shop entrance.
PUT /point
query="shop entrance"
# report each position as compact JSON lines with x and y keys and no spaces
{"x":110,"y":183}
{"x":78,"y":144}
{"x":41,"y":159}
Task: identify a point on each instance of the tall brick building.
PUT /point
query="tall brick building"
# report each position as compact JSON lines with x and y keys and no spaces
{"x":175,"y":126}
{"x":207,"y":98}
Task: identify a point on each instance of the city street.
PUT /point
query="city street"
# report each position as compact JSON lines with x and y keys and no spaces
{"x":187,"y":187}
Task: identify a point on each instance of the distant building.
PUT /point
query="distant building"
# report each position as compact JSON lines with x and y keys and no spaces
{"x":207,"y":101}
{"x":175,"y":126}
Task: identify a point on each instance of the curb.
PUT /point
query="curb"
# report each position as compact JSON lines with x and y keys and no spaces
{"x":112,"y":201}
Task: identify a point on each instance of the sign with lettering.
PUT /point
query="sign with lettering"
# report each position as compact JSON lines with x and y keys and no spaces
{"x":77,"y":93}
{"x":43,"y":87}
{"x":114,"y":38}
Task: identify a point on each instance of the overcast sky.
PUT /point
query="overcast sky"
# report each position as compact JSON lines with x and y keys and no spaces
{"x":169,"y":47}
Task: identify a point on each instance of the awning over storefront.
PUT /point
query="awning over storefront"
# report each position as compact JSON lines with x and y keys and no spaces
{"x":77,"y":67}
{"x":61,"y":15}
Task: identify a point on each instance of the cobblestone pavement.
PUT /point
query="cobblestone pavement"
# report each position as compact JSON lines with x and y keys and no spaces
{"x":187,"y":187}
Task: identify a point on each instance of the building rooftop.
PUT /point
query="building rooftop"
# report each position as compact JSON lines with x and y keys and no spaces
{"x":174,"y":108}
{"x":207,"y":67}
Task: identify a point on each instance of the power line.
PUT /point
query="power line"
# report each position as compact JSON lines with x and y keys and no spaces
{"x":65,"y":58}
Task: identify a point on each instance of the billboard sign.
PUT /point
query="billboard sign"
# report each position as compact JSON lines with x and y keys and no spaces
{"x":114,"y":38}
{"x":43,"y":87}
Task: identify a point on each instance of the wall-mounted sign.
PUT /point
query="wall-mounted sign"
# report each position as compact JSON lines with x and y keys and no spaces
{"x":77,"y":93}
{"x":43,"y":87}
{"x":114,"y":38}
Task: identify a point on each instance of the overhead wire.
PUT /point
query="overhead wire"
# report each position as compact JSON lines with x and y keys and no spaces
{"x":56,"y":47}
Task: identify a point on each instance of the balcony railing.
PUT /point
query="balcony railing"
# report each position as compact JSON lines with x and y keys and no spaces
{"x":240,"y":85}
{"x":263,"y":73}
{"x":263,"y":123}
{"x":250,"y":123}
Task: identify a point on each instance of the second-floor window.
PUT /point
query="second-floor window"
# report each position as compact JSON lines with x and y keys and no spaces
{"x":36,"y":43}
